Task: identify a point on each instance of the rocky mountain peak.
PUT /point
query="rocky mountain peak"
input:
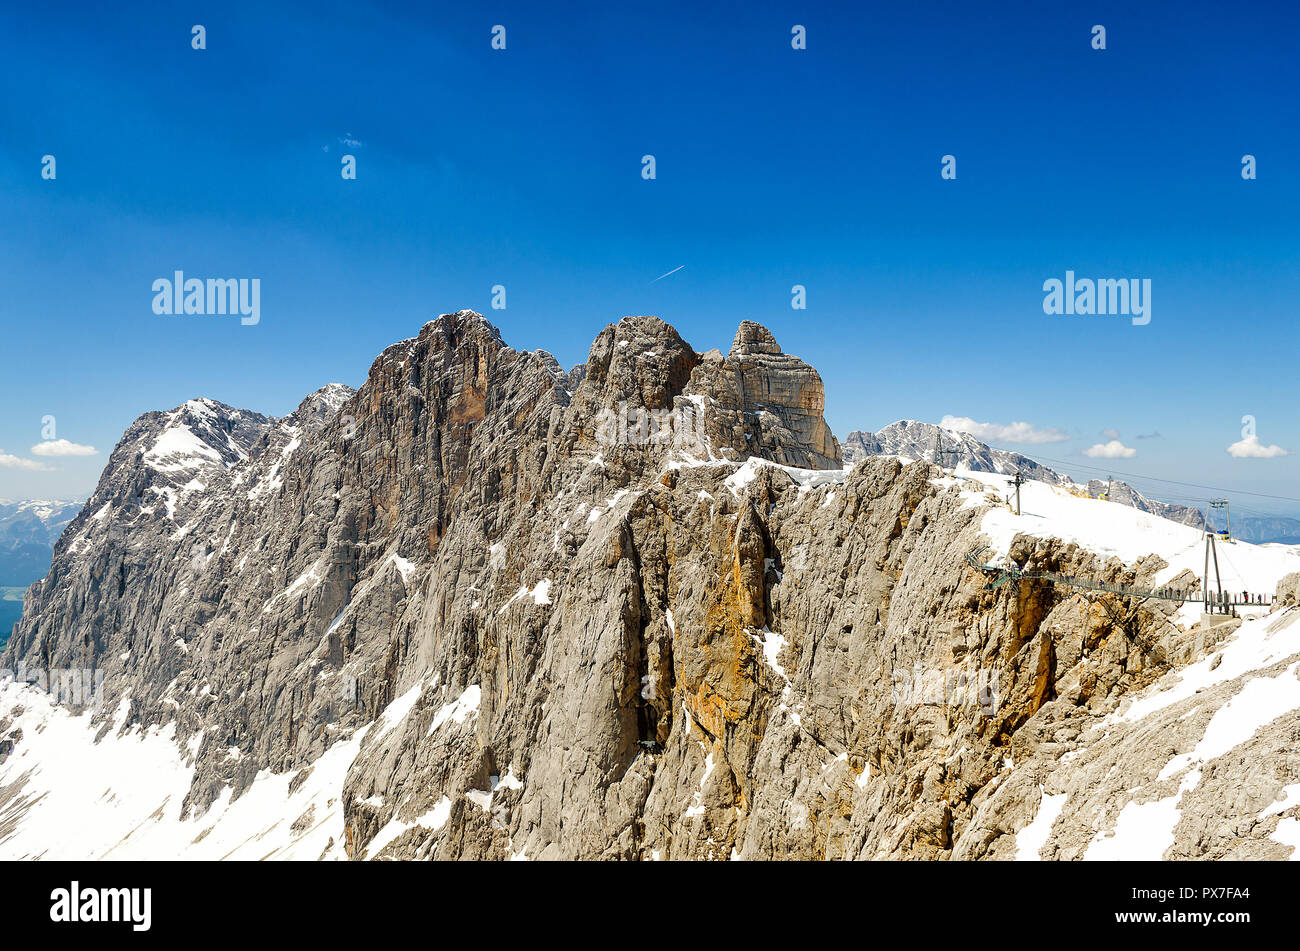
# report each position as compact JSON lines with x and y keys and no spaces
{"x":198,"y":434}
{"x":641,"y":360}
{"x":752,"y":338}
{"x":452,"y":329}
{"x":462,"y":330}
{"x":319,"y":407}
{"x":766,"y":403}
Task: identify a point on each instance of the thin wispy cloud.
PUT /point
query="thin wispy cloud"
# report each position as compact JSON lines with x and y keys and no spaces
{"x":61,"y":447}
{"x":1110,"y":450}
{"x":1016,"y":432}
{"x":8,"y":461}
{"x":348,"y":141}
{"x":1252,"y":448}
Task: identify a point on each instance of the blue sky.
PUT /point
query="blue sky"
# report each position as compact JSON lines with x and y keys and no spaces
{"x":775,"y":167}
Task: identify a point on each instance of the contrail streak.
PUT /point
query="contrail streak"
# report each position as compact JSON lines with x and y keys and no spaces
{"x":673,"y":271}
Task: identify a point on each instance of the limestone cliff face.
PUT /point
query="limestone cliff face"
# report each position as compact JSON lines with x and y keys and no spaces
{"x":765,"y":402}
{"x":557,"y":645}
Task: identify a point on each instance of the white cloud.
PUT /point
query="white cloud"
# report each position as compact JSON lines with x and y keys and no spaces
{"x":1110,"y":450}
{"x":1250,"y":448}
{"x":1110,"y":433}
{"x":13,"y":462}
{"x":61,"y":447}
{"x":1014,"y":432}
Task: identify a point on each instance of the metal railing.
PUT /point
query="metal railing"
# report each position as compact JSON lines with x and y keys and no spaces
{"x":1165,"y":593}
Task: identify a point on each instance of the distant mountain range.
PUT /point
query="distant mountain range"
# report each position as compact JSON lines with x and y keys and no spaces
{"x":1264,"y":529}
{"x":917,"y":440}
{"x":28,"y":531}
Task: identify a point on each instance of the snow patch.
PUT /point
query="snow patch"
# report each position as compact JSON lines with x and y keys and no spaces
{"x":1031,"y":839}
{"x":459,"y":710}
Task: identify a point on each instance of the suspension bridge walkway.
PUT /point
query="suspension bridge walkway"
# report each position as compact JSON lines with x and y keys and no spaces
{"x":1217,"y":601}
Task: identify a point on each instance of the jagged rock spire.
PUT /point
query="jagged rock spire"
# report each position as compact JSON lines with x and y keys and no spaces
{"x":753,"y":338}
{"x":767,"y":403}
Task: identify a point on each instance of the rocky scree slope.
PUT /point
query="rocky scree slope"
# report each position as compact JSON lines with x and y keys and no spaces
{"x":551,"y":646}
